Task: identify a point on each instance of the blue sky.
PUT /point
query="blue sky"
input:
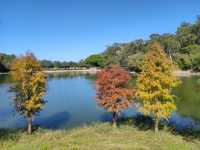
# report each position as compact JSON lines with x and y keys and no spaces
{"x":73,"y":29}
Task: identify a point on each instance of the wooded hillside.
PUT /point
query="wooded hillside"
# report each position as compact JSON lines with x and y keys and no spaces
{"x":183,"y":48}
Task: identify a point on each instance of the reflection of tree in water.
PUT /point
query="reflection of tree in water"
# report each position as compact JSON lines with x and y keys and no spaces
{"x":188,"y":100}
{"x":72,"y":75}
{"x":5,"y":78}
{"x":54,"y":121}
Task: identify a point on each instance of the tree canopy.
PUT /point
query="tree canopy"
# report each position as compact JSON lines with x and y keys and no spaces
{"x":5,"y":62}
{"x":155,"y":84}
{"x":112,"y":92}
{"x":29,"y":86}
{"x":95,"y":60}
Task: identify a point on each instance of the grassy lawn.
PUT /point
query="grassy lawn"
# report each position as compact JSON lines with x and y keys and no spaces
{"x":100,"y":136}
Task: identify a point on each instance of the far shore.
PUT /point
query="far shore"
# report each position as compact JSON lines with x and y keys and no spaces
{"x":4,"y":72}
{"x":186,"y":73}
{"x":76,"y":70}
{"x":178,"y":73}
{"x":66,"y":71}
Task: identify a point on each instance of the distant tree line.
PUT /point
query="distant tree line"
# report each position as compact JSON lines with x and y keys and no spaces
{"x":47,"y":64}
{"x":183,"y":48}
{"x":5,"y":62}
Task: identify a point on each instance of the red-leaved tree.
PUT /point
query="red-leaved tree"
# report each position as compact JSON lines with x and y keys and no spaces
{"x":112,"y":91}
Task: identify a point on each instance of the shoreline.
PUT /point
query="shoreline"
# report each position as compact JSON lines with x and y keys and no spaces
{"x":64,"y":71}
{"x":178,"y":73}
{"x":4,"y":73}
{"x":186,"y":73}
{"x":92,"y":71}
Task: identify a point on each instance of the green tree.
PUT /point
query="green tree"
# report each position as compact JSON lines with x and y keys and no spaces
{"x":29,"y":87}
{"x":57,"y":64}
{"x":195,"y":57}
{"x":46,"y":64}
{"x":189,"y":57}
{"x":5,"y":61}
{"x":170,"y":44}
{"x":155,"y":84}
{"x":95,"y":60}
{"x":135,"y":61}
{"x":196,"y":30}
{"x":184,"y":61}
{"x":185,"y":35}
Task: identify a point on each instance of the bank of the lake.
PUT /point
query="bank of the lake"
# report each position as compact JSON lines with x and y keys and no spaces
{"x":100,"y":136}
{"x":179,"y":73}
{"x":186,"y":73}
{"x":92,"y":70}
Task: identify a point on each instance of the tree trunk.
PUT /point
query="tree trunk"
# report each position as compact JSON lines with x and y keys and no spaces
{"x":156,"y":125}
{"x":114,"y":119}
{"x":29,"y":130}
{"x":170,"y":55}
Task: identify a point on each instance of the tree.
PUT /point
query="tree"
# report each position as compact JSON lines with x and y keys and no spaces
{"x":95,"y":60}
{"x":154,"y":37}
{"x":155,"y":84}
{"x":112,"y":93}
{"x":135,"y":61}
{"x":5,"y":61}
{"x":189,"y":58}
{"x":185,"y":35}
{"x":29,"y":87}
{"x":3,"y":68}
{"x":195,"y":57}
{"x":112,"y":54}
{"x":46,"y":64}
{"x":57,"y":64}
{"x":196,"y":29}
{"x":170,"y":44}
{"x":184,"y":61}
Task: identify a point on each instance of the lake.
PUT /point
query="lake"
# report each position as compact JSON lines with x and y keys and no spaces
{"x":71,"y":102}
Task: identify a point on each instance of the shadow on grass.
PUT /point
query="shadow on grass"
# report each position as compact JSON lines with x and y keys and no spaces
{"x":188,"y":133}
{"x":139,"y":121}
{"x":146,"y":123}
{"x":54,"y":121}
{"x":10,"y":134}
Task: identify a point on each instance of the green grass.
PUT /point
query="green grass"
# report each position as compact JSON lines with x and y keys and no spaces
{"x":99,"y":136}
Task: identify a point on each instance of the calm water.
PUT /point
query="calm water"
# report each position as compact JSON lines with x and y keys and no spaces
{"x":71,"y":102}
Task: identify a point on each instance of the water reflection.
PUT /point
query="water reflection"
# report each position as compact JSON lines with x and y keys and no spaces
{"x":188,"y":101}
{"x":72,"y":75}
{"x":71,"y":102}
{"x":5,"y":78}
{"x":55,"y":121}
{"x":181,"y":123}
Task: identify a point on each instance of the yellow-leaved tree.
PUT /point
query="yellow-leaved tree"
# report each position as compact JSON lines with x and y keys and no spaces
{"x":29,"y":87}
{"x":155,"y":84}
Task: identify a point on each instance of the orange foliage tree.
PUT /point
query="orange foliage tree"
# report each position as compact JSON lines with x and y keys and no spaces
{"x":29,"y":86}
{"x":112,"y":91}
